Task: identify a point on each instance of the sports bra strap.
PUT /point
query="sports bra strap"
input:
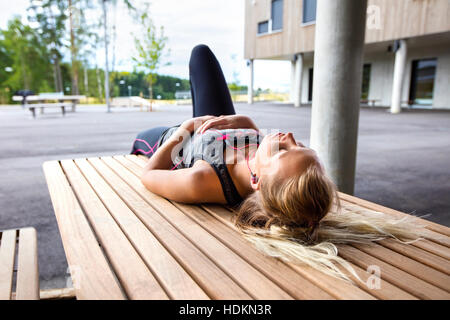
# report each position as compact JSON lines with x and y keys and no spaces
{"x":229,"y":189}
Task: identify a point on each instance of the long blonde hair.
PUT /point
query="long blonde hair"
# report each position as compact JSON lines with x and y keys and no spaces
{"x":300,"y":220}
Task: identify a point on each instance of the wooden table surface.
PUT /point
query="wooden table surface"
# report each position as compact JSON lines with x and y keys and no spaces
{"x":124,"y":242}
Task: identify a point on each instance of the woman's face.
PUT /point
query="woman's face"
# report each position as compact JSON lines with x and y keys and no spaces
{"x":280,"y":156}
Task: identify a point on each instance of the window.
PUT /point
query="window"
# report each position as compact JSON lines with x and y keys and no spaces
{"x":277,"y":15}
{"x":310,"y":84}
{"x":263,"y":27}
{"x":422,"y":81}
{"x":309,"y":11}
{"x":365,"y":82}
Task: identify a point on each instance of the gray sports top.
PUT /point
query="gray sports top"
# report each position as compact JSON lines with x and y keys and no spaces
{"x":210,"y":147}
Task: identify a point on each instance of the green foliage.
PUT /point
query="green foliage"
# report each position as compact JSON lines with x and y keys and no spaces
{"x":50,"y":17}
{"x":163,"y":86}
{"x":236,"y":87}
{"x":24,"y":60}
{"x":150,"y":48}
{"x":36,"y":56}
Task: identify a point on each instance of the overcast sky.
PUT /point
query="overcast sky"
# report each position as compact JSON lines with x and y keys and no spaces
{"x":216,"y":23}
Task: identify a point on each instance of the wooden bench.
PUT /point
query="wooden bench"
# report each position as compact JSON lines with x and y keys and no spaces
{"x":132,"y":102}
{"x":42,"y":106}
{"x":24,"y":264}
{"x":124,"y":242}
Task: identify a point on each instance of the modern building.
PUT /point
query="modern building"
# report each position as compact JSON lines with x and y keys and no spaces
{"x":406,"y":53}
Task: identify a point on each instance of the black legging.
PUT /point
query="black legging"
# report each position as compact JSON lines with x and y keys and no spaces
{"x":209,"y":91}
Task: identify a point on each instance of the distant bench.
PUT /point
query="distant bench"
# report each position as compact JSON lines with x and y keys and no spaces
{"x":42,"y":106}
{"x":131,"y":102}
{"x":49,"y":100}
{"x":370,"y":102}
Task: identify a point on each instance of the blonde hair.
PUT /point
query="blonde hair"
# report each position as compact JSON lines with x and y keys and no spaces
{"x":300,"y":220}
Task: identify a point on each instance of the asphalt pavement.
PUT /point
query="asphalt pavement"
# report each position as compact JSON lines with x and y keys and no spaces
{"x":403,"y":160}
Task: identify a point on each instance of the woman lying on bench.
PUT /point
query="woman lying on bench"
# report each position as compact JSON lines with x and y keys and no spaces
{"x":277,"y":185}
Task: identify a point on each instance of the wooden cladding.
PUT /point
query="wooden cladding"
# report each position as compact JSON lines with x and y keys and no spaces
{"x":387,"y":20}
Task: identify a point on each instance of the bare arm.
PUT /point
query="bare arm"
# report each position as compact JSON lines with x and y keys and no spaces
{"x":162,"y":158}
{"x":189,"y":185}
{"x":236,"y":121}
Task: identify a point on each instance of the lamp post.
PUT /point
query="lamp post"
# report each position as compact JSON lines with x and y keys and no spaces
{"x":108,"y":106}
{"x":129,"y":90}
{"x":250,"y":81}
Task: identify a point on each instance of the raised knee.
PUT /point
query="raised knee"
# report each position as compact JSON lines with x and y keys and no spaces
{"x":201,"y":52}
{"x":200,"y":48}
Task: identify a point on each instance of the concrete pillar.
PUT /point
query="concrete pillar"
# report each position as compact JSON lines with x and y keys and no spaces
{"x":298,"y":80}
{"x":338,"y":62}
{"x":250,"y":82}
{"x":291,"y":92}
{"x":399,"y":74}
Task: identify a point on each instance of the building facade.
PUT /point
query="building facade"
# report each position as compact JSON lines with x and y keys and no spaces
{"x":406,"y":53}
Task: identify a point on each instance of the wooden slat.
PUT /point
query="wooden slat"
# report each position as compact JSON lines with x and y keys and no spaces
{"x":27,"y":286}
{"x":413,"y":267}
{"x":176,"y":281}
{"x":213,"y":280}
{"x":93,"y":278}
{"x":385,"y":291}
{"x":401,"y":279}
{"x":418,"y":254}
{"x":377,"y":207}
{"x":135,"y":277}
{"x":278,"y":272}
{"x":141,"y":156}
{"x":340,"y":289}
{"x":336,"y":287}
{"x":435,"y":276}
{"x":135,"y":159}
{"x":58,"y":294}
{"x":431,"y":235}
{"x":248,"y":277}
{"x":7,"y":254}
{"x":433,"y":247}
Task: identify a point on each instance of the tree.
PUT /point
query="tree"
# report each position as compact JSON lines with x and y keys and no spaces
{"x":51,"y":18}
{"x":133,"y":83}
{"x":24,"y":62}
{"x":150,"y":49}
{"x":74,"y":24}
{"x":81,"y":37}
{"x":105,"y":28}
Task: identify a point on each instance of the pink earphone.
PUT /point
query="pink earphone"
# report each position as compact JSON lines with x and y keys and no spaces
{"x":254,"y":177}
{"x":223,"y":137}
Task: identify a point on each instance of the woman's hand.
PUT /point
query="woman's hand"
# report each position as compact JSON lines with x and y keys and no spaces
{"x":227,"y":122}
{"x":193,"y":123}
